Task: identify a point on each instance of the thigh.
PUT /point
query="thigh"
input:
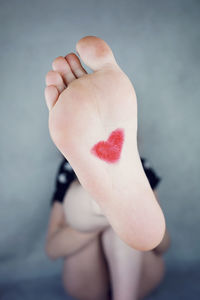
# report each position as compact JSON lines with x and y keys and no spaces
{"x":85,"y":274}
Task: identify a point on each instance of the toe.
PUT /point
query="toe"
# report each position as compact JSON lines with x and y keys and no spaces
{"x":95,"y":53}
{"x":51,"y":96}
{"x":61,"y":65}
{"x":75,"y":65}
{"x":55,"y":79}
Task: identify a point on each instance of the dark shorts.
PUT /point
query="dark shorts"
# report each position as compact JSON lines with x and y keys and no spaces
{"x":66,"y":175}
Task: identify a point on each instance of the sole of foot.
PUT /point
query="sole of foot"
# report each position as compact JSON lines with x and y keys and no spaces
{"x":93,"y":122}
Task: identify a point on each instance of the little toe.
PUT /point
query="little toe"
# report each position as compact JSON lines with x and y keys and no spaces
{"x":75,"y":65}
{"x":95,"y":52}
{"x":55,"y":79}
{"x":51,"y":96}
{"x":61,"y":65}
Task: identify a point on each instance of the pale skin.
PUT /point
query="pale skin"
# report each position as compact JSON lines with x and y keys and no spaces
{"x":112,"y":213}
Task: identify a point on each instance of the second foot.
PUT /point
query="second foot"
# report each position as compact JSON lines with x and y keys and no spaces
{"x":93,"y":122}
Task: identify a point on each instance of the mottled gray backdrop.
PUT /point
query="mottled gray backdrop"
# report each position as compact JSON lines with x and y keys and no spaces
{"x":157,"y":43}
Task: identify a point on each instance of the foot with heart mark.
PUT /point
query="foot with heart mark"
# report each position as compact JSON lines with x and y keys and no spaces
{"x":110,"y":150}
{"x":93,"y":122}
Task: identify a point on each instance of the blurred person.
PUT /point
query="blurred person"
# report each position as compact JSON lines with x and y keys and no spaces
{"x":105,"y":221}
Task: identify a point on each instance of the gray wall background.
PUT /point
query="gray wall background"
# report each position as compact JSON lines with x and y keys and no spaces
{"x":157,"y":43}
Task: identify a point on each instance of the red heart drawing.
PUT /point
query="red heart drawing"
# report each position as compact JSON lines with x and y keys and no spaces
{"x":110,"y":150}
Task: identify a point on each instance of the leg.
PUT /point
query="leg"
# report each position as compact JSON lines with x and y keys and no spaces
{"x":124,"y":265}
{"x":93,"y":122}
{"x":85,"y":274}
{"x":131,"y":270}
{"x":152,"y":273}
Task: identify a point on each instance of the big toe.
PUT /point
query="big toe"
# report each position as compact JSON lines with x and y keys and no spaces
{"x":95,"y":53}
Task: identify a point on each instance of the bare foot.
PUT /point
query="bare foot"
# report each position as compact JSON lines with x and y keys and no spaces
{"x":93,"y":122}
